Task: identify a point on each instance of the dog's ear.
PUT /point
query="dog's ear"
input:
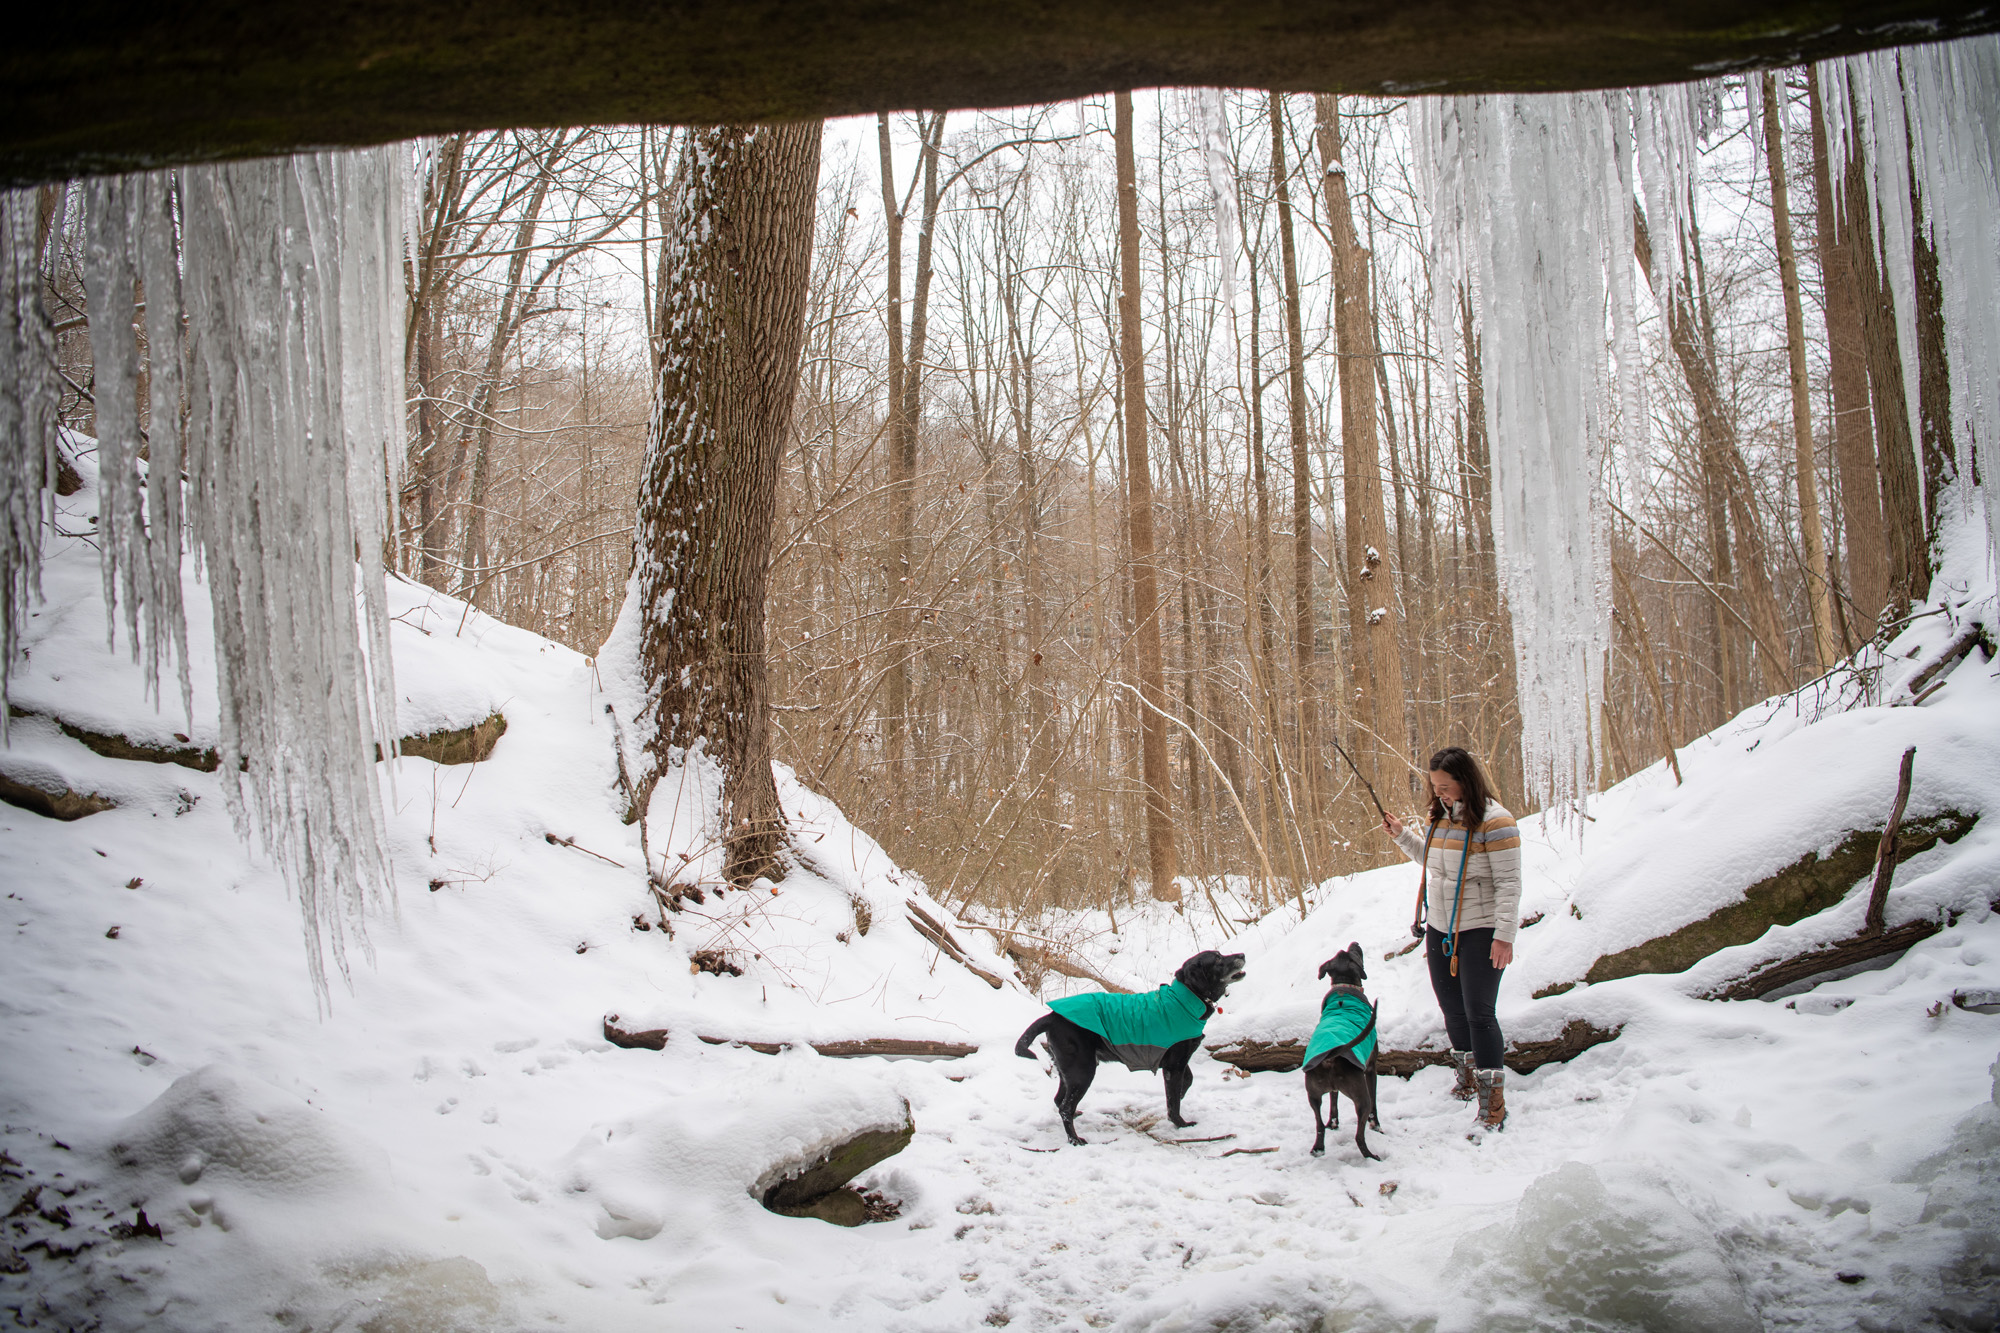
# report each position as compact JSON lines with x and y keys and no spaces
{"x":1329,"y":965}
{"x":1360,"y":961}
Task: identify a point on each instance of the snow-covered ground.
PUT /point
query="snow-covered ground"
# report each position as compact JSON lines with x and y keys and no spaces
{"x":455,"y":1146}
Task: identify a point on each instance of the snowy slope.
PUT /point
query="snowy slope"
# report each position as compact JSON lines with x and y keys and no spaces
{"x":455,"y":1146}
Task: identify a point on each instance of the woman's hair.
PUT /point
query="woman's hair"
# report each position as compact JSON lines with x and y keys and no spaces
{"x":1463,"y":769}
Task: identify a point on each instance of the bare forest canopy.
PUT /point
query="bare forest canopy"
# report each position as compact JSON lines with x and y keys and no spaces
{"x":116,"y":85}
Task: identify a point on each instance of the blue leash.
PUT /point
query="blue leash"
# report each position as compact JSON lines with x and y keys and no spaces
{"x":1458,"y":895}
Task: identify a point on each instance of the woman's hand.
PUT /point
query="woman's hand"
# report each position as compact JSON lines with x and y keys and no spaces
{"x":1503,"y":954}
{"x":1391,"y":825}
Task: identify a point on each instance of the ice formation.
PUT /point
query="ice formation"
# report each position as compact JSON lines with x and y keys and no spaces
{"x":27,"y":423}
{"x":1928,"y":118}
{"x":274,"y":374}
{"x":1531,"y":201}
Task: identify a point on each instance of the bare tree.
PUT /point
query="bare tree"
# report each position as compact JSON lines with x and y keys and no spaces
{"x":731,"y":330}
{"x":1139,"y":525}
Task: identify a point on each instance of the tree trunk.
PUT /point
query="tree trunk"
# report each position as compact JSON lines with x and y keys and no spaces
{"x":1933,"y":377}
{"x":1867,"y":581}
{"x":732,"y":330}
{"x":1305,"y":634}
{"x":1818,"y":587}
{"x":1373,"y":610}
{"x":1139,"y":520}
{"x":902,"y":452}
{"x":1896,"y":460}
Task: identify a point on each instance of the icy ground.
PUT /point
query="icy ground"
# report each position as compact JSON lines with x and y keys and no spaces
{"x":456,"y":1147}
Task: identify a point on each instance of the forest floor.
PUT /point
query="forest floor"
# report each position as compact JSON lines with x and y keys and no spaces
{"x":191,"y":1143}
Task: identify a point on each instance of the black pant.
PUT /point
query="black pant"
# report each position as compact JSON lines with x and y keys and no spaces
{"x":1467,"y":999}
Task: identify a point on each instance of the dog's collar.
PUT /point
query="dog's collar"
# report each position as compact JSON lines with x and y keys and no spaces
{"x":1338,"y":989}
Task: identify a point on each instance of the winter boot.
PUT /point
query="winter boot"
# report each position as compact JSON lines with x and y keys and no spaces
{"x":1492,"y":1098}
{"x":1466,"y":1088}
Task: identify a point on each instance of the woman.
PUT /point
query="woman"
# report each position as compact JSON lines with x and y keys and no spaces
{"x":1472,"y":894}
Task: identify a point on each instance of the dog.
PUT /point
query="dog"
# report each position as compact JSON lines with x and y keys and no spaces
{"x":1341,"y":1058}
{"x":1144,"y":1032}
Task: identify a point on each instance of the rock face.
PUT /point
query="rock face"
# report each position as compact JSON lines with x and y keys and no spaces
{"x":811,"y":1186}
{"x":180,"y":81}
{"x":1809,"y":885}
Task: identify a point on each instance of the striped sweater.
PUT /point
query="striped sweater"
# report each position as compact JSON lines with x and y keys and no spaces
{"x":1492,"y":871}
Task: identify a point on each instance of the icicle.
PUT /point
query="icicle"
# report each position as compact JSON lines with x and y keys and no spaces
{"x":110,"y":286}
{"x":295,"y":405}
{"x":1215,"y":159}
{"x":1929,"y":117}
{"x":159,"y":273}
{"x":1531,"y":202}
{"x":28,"y":397}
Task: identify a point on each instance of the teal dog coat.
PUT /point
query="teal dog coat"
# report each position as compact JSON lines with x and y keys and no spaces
{"x":1346,"y":1029}
{"x":1138,"y":1028}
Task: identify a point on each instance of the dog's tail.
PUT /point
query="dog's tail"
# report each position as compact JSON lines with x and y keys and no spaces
{"x":1035,"y":1029}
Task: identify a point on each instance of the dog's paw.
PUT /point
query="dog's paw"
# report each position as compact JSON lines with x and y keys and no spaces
{"x":1319,"y":1152}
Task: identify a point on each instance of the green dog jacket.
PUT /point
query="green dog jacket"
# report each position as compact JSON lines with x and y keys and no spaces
{"x":1346,"y":1028}
{"x":1138,"y":1028}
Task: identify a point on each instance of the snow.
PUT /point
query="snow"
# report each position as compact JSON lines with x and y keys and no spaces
{"x":454,"y":1146}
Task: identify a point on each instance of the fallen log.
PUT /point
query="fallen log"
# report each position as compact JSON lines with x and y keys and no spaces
{"x":1577,"y":1036}
{"x":1972,"y":636}
{"x":1861,"y":948}
{"x":1048,"y":960}
{"x":934,"y":930}
{"x":655,"y":1039}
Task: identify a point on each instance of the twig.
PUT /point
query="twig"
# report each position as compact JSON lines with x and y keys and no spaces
{"x":553,"y":840}
{"x":1247,"y":1152}
{"x":1337,"y":749}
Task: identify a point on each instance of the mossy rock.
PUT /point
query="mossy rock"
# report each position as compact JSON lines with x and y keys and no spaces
{"x":59,"y":803}
{"x":115,"y":745}
{"x":801,"y":1185}
{"x":1808,"y":886}
{"x":458,"y":745}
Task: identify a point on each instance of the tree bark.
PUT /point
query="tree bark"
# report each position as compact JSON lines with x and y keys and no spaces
{"x":1867,"y":582}
{"x":1305,"y":632}
{"x":1895,"y":453}
{"x":1373,"y":610}
{"x":1139,"y":521}
{"x":1933,"y":377}
{"x":732,"y":330}
{"x":1818,"y":587}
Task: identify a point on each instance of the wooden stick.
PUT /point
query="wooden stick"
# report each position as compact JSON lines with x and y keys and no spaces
{"x":1885,"y":851}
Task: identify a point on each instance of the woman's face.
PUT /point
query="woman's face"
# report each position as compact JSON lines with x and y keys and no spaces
{"x":1446,"y":787}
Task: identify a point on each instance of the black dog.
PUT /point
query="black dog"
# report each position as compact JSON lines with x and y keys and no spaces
{"x":1334,"y":1072}
{"x":1144,"y":1032}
